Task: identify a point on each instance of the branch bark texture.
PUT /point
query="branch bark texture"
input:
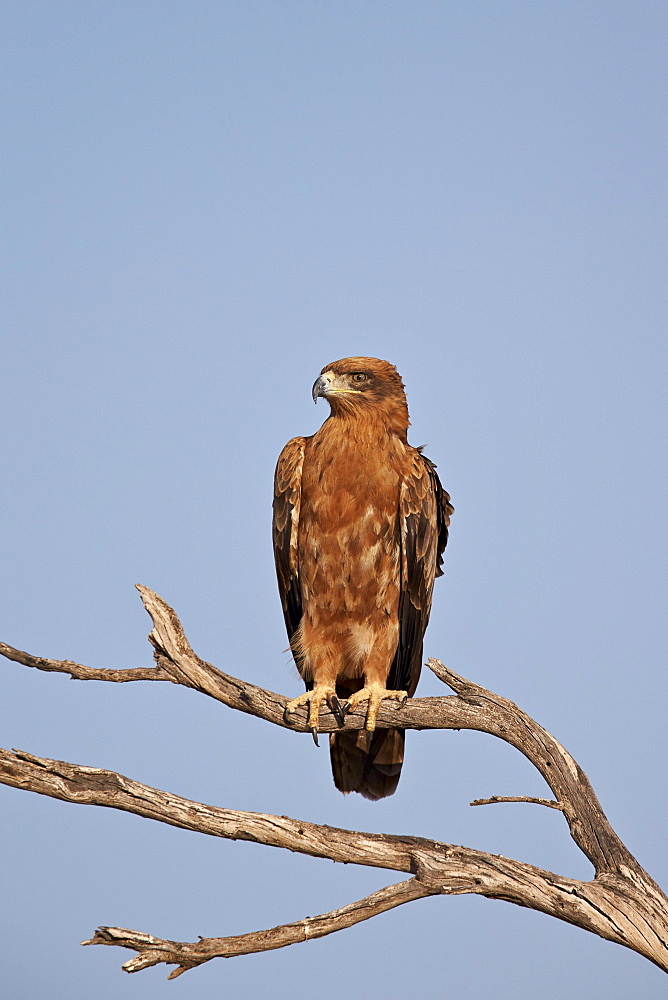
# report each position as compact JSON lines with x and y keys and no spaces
{"x":621,"y":903}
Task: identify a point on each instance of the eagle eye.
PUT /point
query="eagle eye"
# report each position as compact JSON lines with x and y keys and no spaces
{"x":359,"y":377}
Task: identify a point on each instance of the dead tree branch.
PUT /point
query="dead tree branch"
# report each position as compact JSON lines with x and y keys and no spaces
{"x":153,"y":951}
{"x":621,"y":903}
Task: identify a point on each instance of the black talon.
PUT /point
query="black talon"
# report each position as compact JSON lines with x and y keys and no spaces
{"x":314,"y":734}
{"x":335,"y":709}
{"x":345,"y":708}
{"x":403,"y":701}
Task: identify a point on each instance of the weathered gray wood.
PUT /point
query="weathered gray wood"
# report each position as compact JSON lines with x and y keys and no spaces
{"x":621,"y":903}
{"x":153,"y":950}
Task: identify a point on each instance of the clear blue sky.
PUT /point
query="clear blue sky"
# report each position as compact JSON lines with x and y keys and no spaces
{"x":203,"y":204}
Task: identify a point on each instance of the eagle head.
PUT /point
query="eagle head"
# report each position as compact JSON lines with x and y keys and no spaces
{"x":368,"y":379}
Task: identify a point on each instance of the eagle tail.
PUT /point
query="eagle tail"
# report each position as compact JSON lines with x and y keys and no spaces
{"x":368,"y":763}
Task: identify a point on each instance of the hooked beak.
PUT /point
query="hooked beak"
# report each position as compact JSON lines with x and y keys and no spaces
{"x":330,"y":384}
{"x":319,"y":387}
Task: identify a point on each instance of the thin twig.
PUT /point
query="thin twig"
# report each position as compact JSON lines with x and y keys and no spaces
{"x":518,"y":798}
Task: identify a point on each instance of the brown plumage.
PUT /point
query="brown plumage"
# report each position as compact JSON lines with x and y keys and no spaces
{"x":360,"y":525}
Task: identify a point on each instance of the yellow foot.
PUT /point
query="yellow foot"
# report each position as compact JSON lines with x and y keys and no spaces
{"x":374,"y":694}
{"x":314,"y":699}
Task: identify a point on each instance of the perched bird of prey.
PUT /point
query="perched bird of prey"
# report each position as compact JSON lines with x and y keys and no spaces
{"x":360,"y":525}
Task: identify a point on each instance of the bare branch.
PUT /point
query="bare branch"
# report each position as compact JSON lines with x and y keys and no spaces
{"x":473,"y":707}
{"x":94,"y":786}
{"x":188,"y":955}
{"x":621,"y":903}
{"x":79,"y":672}
{"x":177,"y":662}
{"x":517,"y":798}
{"x":487,"y":712}
{"x":627,"y":908}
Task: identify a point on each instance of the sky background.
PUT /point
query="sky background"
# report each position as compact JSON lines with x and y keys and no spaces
{"x":204,"y":203}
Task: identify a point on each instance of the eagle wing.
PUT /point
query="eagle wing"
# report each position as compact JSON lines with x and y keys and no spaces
{"x":285,"y":528}
{"x":424,"y":516}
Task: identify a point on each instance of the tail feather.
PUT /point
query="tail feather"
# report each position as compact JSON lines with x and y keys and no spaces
{"x":367,"y":763}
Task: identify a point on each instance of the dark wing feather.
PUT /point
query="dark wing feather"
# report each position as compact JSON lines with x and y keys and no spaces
{"x":424,"y":516}
{"x":444,"y":511}
{"x":287,"y":498}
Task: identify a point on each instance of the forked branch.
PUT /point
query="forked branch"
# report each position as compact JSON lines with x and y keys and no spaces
{"x":621,"y":903}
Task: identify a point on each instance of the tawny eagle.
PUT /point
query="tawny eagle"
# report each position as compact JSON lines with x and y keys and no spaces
{"x":360,"y":525}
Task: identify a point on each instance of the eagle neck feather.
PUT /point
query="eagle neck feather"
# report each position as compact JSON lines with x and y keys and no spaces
{"x":371,"y":423}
